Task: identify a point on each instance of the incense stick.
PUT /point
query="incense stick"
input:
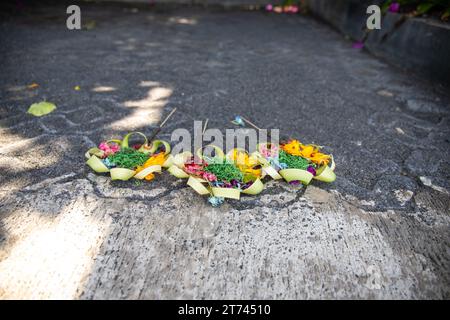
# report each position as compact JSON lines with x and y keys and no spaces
{"x":157,"y":130}
{"x":269,"y":136}
{"x":167,"y":118}
{"x":204,"y":128}
{"x":250,"y":123}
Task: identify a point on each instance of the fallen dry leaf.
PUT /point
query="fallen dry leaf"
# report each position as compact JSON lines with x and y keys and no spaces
{"x":41,"y":108}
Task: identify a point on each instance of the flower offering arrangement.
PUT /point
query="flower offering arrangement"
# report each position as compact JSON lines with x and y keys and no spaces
{"x":123,"y":162}
{"x":139,"y":161}
{"x":222,"y":176}
{"x":296,"y":162}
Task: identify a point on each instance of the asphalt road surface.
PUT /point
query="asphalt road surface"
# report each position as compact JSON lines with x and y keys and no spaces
{"x":381,"y":230}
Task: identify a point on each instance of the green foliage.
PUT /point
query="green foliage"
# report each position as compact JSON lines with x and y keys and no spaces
{"x":385,"y":6}
{"x":293,"y":162}
{"x":422,"y":7}
{"x":446,"y":14}
{"x":128,"y":158}
{"x":225,"y":171}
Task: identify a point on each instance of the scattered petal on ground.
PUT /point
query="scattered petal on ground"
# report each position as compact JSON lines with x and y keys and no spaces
{"x":358,"y":45}
{"x":33,"y":85}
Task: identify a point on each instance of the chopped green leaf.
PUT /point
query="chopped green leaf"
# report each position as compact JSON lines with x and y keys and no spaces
{"x":293,"y":162}
{"x":128,"y":158}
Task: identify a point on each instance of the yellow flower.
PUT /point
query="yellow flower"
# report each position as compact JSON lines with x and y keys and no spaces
{"x":245,"y":163}
{"x":293,"y":147}
{"x":307,"y":151}
{"x":320,"y":158}
{"x":157,"y":159}
{"x":310,"y":152}
{"x":253,"y":172}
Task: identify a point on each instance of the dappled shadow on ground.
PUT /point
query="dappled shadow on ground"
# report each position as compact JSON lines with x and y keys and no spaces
{"x":133,"y":67}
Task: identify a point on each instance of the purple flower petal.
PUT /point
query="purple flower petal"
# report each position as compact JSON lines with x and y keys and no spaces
{"x":358,"y":45}
{"x":394,"y":7}
{"x":311,"y":169}
{"x":294,"y":183}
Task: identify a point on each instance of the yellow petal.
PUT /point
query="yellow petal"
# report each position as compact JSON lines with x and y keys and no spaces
{"x":320,"y":158}
{"x":307,"y":151}
{"x":33,"y":85}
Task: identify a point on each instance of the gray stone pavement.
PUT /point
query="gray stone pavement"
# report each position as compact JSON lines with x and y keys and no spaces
{"x":380,"y":231}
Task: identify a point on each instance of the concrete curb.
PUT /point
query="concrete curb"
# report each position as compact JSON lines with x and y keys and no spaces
{"x":419,"y":45}
{"x":218,"y":3}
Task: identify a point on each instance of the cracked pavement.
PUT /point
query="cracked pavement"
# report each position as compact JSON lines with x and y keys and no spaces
{"x":381,"y":230}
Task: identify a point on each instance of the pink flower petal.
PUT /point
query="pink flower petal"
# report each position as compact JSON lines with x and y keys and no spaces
{"x":358,"y":45}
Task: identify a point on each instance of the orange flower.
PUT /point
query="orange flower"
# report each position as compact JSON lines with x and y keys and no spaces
{"x":320,"y":158}
{"x":310,"y":152}
{"x":157,"y":159}
{"x":293,"y":147}
{"x":149,"y":177}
